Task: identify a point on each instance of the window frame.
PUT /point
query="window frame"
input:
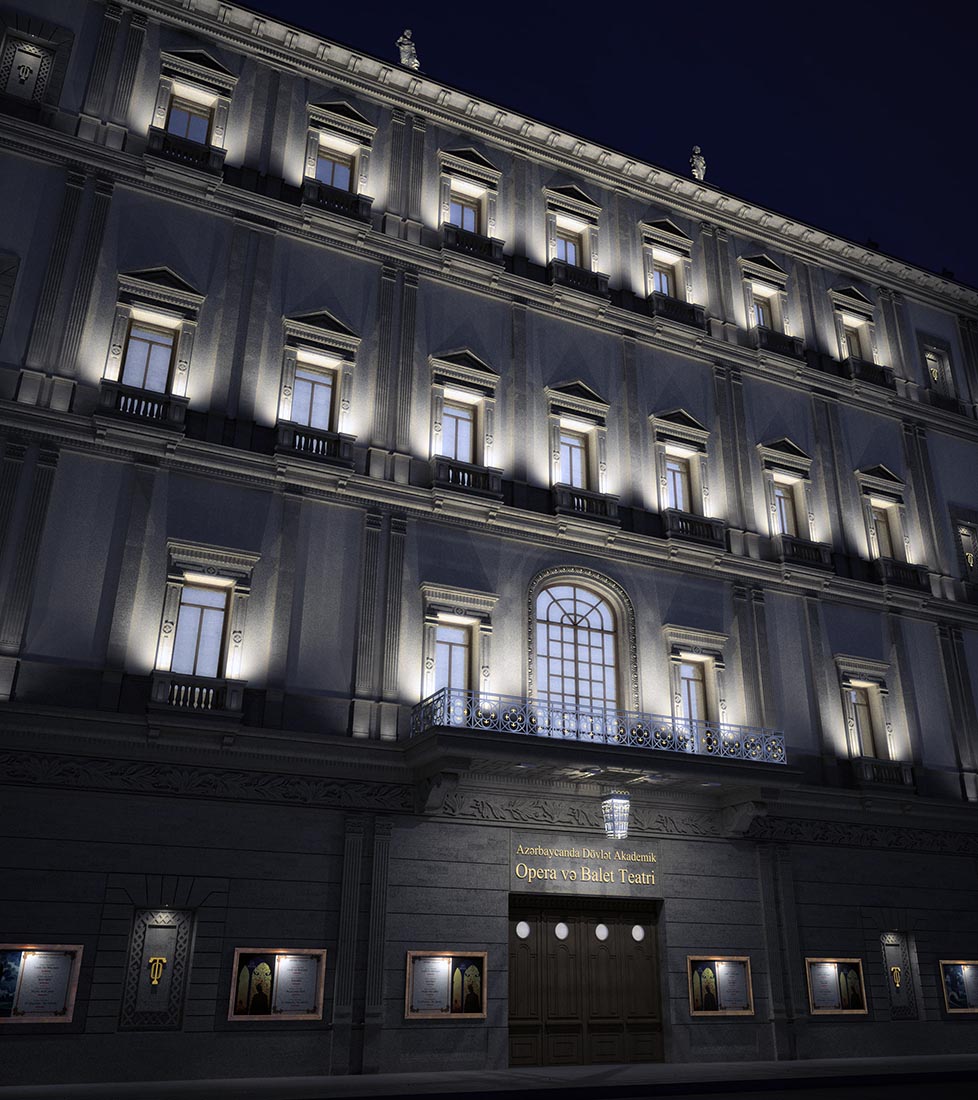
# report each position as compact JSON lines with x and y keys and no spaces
{"x":192,"y":108}
{"x":467,"y":174}
{"x":870,"y":678}
{"x":457,"y":377}
{"x":676,"y":434}
{"x":785,"y":464}
{"x":338,"y":128}
{"x":321,"y":343}
{"x":573,"y":412}
{"x":173,"y":331}
{"x":337,"y":158}
{"x":468,"y":609}
{"x":885,"y":492}
{"x":665,"y":244}
{"x":182,"y":78}
{"x":572,"y":216}
{"x":762,"y":278}
{"x":852,"y":310}
{"x":940,"y":349}
{"x":192,"y":582}
{"x":687,"y":646}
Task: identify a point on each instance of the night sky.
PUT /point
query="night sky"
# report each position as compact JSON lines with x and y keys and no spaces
{"x":860,"y":118}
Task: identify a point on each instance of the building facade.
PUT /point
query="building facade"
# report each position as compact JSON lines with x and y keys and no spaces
{"x":387,"y":479}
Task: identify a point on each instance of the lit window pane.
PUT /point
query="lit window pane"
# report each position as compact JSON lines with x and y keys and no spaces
{"x":158,"y":370}
{"x":197,"y":129}
{"x":137,"y":356}
{"x":576,"y":652}
{"x":200,"y":630}
{"x":209,"y":652}
{"x":179,"y":119}
{"x":185,"y":643}
{"x":341,"y":177}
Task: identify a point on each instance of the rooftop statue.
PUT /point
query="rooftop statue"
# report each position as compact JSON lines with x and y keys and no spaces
{"x":697,"y":163}
{"x":409,"y":52}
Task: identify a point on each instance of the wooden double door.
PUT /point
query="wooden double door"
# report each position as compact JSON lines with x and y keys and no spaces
{"x":583,"y":983}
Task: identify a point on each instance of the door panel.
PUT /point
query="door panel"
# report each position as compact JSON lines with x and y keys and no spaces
{"x":582,"y":999}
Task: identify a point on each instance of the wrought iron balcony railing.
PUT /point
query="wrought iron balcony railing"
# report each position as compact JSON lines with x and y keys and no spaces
{"x":191,"y":154}
{"x":196,"y":694}
{"x":455,"y":709}
{"x":685,"y":525}
{"x":578,"y":278}
{"x":769,"y":339}
{"x":163,"y":409}
{"x":449,"y":473}
{"x":472,"y":244}
{"x":313,"y":443}
{"x":336,"y":200}
{"x":675,"y":309}
{"x":569,"y":501}
{"x":903,"y":573}
{"x":804,"y":552}
{"x":868,"y":372}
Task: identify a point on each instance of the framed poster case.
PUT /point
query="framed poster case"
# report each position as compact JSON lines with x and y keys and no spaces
{"x":277,"y":983}
{"x":38,"y":982}
{"x":836,"y":987}
{"x":719,"y":985}
{"x":445,"y":985}
{"x":959,"y":980}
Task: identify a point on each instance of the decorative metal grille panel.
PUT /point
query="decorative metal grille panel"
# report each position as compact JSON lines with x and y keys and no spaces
{"x":149,"y":1006}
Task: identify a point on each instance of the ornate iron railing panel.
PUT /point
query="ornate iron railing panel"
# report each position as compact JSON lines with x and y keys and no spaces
{"x":450,"y":473}
{"x":675,"y":309}
{"x":569,"y":501}
{"x":191,"y":154}
{"x":472,"y":244}
{"x":456,"y":709}
{"x":769,"y":339}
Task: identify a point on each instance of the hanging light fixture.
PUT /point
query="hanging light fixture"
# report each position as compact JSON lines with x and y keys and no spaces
{"x":615,"y":806}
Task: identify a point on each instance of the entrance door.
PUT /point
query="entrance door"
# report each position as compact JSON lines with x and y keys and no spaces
{"x":583,"y":983}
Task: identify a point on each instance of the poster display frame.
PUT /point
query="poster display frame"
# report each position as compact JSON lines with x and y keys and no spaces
{"x":451,"y":954}
{"x":66,"y":1016}
{"x":692,"y":965}
{"x":969,"y":1009}
{"x":811,"y":961}
{"x":278,"y":953}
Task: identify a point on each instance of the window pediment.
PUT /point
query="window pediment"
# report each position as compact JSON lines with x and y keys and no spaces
{"x":577,"y":397}
{"x":880,"y":477}
{"x":470,"y":164}
{"x":323,"y":329}
{"x":785,"y":455}
{"x":199,"y":67}
{"x":466,"y":367}
{"x":683,"y":640}
{"x":160,"y":285}
{"x":570,"y":199}
{"x":666,"y":233}
{"x":341,"y":118}
{"x":679,"y":426}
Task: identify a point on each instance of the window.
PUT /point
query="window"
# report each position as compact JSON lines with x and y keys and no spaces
{"x":679,"y":443}
{"x":199,"y":642}
{"x":697,"y":671}
{"x":883,"y":530}
{"x":191,"y":121}
{"x":334,"y":168}
{"x":968,"y":540}
{"x":763,"y":315}
{"x":457,"y":637}
{"x":937,"y":365}
{"x":677,"y":483}
{"x":668,"y":260}
{"x":203,"y":628}
{"x":148,"y":357}
{"x":453,"y":657}
{"x":458,"y":431}
{"x":853,"y":337}
{"x":317,"y":378}
{"x":573,"y":458}
{"x":855,"y":325}
{"x":865,"y":707}
{"x":785,"y":514}
{"x":463,"y":212}
{"x":575,"y":648}
{"x":568,"y":247}
{"x":313,"y":396}
{"x":765,"y":297}
{"x":664,"y":279}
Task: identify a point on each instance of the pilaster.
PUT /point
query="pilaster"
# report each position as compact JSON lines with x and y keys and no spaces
{"x":817,"y":686}
{"x":127,"y":73}
{"x":366,"y":669}
{"x":392,"y":631}
{"x":373,"y":1061}
{"x":111,"y":18}
{"x":961,"y":706}
{"x":416,"y":177}
{"x":401,"y":427}
{"x":81,"y":296}
{"x":727,"y":454}
{"x":936,"y":553}
{"x":379,"y":435}
{"x":396,"y":203}
{"x":346,"y":946}
{"x":907,"y":695}
{"x":284,"y":573}
{"x":519,"y":406}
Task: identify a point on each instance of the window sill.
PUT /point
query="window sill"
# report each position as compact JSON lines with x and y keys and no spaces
{"x":569,"y":501}
{"x":472,"y":244}
{"x":320,"y":446}
{"x":188,"y":154}
{"x":450,"y":473}
{"x":347,"y":204}
{"x":196,"y":695}
{"x":131,"y":403}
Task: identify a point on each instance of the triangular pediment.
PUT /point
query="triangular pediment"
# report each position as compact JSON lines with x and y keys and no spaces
{"x":164,"y":277}
{"x":323,"y":320}
{"x":681,"y":419}
{"x":666,"y":226}
{"x":202,"y":59}
{"x":574,"y":193}
{"x":786,"y":447}
{"x":578,"y":389}
{"x":855,"y":295}
{"x":765,"y":262}
{"x":342,"y":109}
{"x":473,"y":157}
{"x":881,"y":473}
{"x":467,"y":360}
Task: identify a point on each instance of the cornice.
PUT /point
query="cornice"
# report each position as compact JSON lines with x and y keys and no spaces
{"x":295,"y":49}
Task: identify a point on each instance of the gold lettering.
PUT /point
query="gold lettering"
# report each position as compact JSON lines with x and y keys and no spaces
{"x":156,"y":964}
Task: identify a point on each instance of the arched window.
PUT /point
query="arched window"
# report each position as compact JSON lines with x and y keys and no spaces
{"x":576,"y":648}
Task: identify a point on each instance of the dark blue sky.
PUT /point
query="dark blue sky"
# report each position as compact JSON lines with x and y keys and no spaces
{"x":858,"y":118}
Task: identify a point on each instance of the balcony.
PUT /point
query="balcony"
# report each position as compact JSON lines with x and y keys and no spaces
{"x":797,"y":551}
{"x":569,"y":501}
{"x":472,"y":244}
{"x":867,"y":771}
{"x":178,"y":694}
{"x":313,"y":443}
{"x":347,"y":204}
{"x":675,"y":309}
{"x":189,"y":154}
{"x":865,"y":371}
{"x":943,"y":401}
{"x":451,"y":708}
{"x":902,"y":573}
{"x":449,"y":473}
{"x":577,"y":278}
{"x":703,"y":529}
{"x":769,"y":339}
{"x":130,"y":402}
